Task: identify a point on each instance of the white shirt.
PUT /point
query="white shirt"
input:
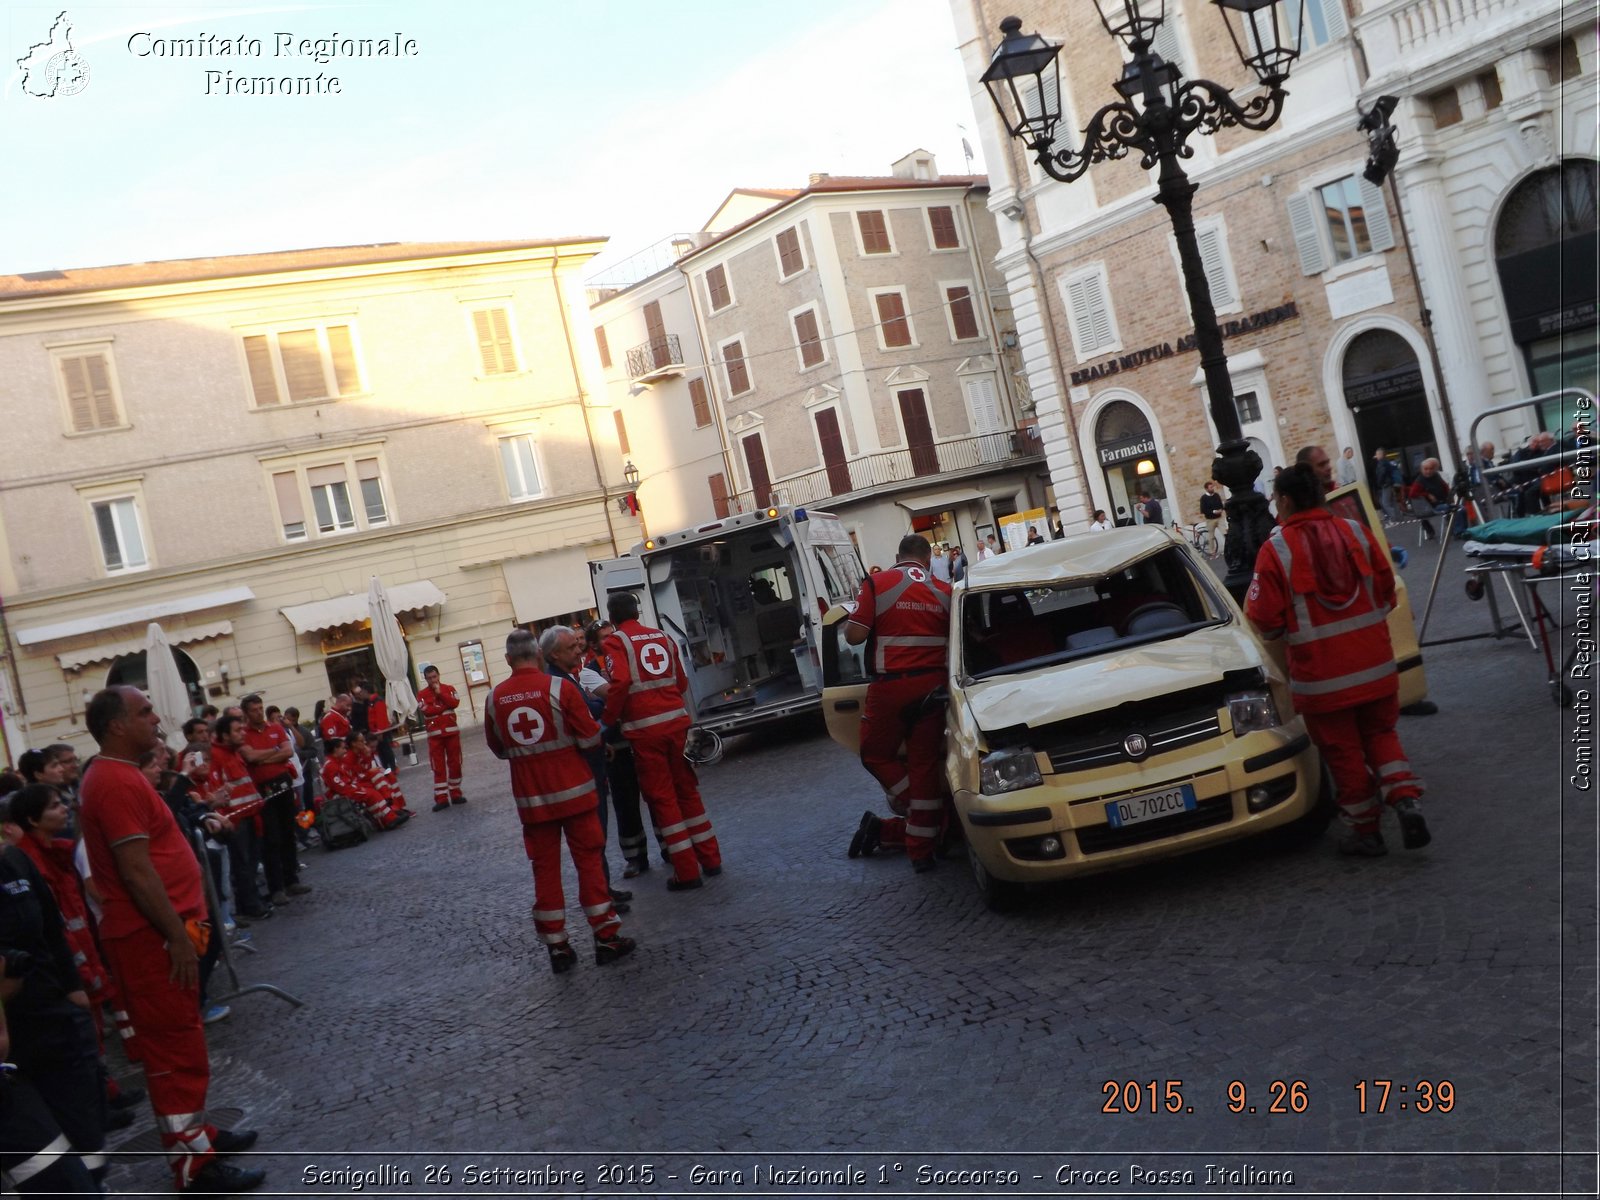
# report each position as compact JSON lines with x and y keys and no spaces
{"x":589,"y":679}
{"x":1346,"y":473}
{"x":940,"y":566}
{"x":984,"y":551}
{"x":1099,"y":526}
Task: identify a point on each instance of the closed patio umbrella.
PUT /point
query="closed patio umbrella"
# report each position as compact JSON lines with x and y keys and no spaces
{"x":164,"y":685}
{"x":389,"y":648}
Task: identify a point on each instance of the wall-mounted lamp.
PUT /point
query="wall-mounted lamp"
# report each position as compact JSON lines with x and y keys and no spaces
{"x":1008,"y":338}
{"x":1014,"y":210}
{"x":1145,"y":467}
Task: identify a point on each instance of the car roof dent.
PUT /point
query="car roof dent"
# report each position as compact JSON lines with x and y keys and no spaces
{"x":1077,"y":556}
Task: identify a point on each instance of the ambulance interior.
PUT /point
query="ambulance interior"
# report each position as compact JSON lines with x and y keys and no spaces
{"x":736,"y":607}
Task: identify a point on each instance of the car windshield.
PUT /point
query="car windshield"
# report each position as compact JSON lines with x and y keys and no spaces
{"x":1005,"y":631}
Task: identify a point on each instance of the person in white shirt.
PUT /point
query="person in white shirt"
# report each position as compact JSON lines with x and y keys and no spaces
{"x":939,"y":564}
{"x":1098,"y":523}
{"x":1347,"y":471}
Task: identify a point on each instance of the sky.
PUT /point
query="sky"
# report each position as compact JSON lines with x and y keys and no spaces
{"x":546,"y":118}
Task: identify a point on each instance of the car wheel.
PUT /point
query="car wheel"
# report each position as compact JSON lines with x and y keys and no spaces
{"x":1000,"y":895}
{"x":1304,"y":830}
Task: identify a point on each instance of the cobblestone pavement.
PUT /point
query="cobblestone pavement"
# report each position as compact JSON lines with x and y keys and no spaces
{"x":805,"y":1002}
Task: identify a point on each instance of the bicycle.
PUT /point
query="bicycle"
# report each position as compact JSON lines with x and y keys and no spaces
{"x":1200,"y":537}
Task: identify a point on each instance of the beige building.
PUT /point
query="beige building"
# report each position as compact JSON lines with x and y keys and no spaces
{"x":859,"y":349}
{"x":234,"y":446}
{"x":1306,"y":260}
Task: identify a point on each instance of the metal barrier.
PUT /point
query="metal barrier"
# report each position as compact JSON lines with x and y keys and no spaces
{"x":225,"y":957}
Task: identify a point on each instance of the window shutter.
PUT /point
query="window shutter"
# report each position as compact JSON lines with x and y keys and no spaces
{"x":719,"y":494}
{"x":110,"y":545}
{"x":1377,"y":213}
{"x":302,"y":364}
{"x":985,"y":403}
{"x":1333,"y":13}
{"x":343,"y":350}
{"x":892,"y":317}
{"x":1211,"y":257}
{"x":79,"y":404}
{"x":789,"y":259}
{"x":809,"y":340}
{"x":1303,"y":224}
{"x":962,"y":316}
{"x":291,"y":511}
{"x":874,"y":233}
{"x":943,"y":222}
{"x":702,"y":405}
{"x":1166,"y":42}
{"x":493,"y":327}
{"x":738,"y":375}
{"x":263,"y":380}
{"x":622,"y":432}
{"x":605,"y":346}
{"x":717,"y":287}
{"x":322,"y":476}
{"x":755,"y":458}
{"x":105,"y":407}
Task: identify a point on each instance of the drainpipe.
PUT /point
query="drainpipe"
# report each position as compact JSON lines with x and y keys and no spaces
{"x":983,"y":282}
{"x":583,"y":401}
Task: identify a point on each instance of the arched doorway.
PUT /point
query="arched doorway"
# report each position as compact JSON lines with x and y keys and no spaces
{"x":1545,"y":244}
{"x":1384,"y":389}
{"x":1127,"y":451}
{"x":130,"y":671}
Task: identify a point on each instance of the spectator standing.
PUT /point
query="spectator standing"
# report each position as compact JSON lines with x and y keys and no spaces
{"x":1322,"y":585}
{"x":267,"y":752}
{"x":621,"y":777}
{"x":645,"y":703}
{"x":153,"y":934}
{"x":1150,"y":507}
{"x":1035,"y":538}
{"x":1385,"y":480}
{"x":1098,"y":522}
{"x":1348,"y":472}
{"x":1057,"y":531}
{"x":903,"y":617}
{"x":940,"y":566}
{"x":958,"y":565}
{"x":1321,"y":465}
{"x":235,"y":797}
{"x":1211,"y":514}
{"x":380,"y":731}
{"x":438,"y":702}
{"x":547,"y":721}
{"x":335,"y":723}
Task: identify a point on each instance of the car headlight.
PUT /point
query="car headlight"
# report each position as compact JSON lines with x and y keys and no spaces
{"x":1008,"y":770}
{"x":1252,"y":712}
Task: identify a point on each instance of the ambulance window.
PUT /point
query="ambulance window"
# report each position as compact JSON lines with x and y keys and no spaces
{"x":841,"y":575}
{"x":771,"y":584}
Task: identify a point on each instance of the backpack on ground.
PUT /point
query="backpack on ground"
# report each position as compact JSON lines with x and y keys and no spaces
{"x":341,"y":823}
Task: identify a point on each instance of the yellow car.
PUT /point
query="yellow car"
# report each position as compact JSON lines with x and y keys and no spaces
{"x":1108,"y":704}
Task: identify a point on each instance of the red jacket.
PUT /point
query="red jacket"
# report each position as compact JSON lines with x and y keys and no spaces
{"x":334,"y":726}
{"x":907,"y":611}
{"x":540,"y":723}
{"x":439,"y":708}
{"x":230,"y":776}
{"x":1322,"y":584}
{"x":56,"y":867}
{"x":648,"y":685}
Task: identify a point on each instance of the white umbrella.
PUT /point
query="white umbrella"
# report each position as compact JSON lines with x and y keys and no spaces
{"x":164,"y":685}
{"x":389,"y":648}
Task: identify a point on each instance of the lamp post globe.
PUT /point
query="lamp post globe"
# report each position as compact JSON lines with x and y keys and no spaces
{"x":1159,"y":110}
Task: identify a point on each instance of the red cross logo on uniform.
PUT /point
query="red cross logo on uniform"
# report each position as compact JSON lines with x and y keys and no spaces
{"x":654,"y":659}
{"x":525,"y":726}
{"x":917,"y":574}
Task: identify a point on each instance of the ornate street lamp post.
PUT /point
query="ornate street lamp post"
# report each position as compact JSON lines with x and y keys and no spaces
{"x":1158,"y":112}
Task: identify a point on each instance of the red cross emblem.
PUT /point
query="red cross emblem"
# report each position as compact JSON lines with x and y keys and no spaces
{"x":918,"y":575}
{"x":654,"y":659}
{"x":525,"y":726}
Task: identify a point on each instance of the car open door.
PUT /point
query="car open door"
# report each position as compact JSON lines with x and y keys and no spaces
{"x":844,"y":680}
{"x":1354,"y":502}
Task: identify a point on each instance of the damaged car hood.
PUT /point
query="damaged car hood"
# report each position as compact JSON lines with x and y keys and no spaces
{"x":1074,"y":689}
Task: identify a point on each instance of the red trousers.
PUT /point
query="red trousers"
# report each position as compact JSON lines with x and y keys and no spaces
{"x":586,"y":842}
{"x":1361,"y":748}
{"x":671,"y":789}
{"x":444,"y":755}
{"x":168,"y":1037}
{"x":910,"y":781}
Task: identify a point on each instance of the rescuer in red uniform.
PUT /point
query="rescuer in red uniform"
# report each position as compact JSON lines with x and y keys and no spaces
{"x":1322,"y":584}
{"x":540,"y":723}
{"x":351,"y":771}
{"x":439,"y":702}
{"x":153,"y":931}
{"x":645,"y":703}
{"x":335,"y":723}
{"x":903,"y":614}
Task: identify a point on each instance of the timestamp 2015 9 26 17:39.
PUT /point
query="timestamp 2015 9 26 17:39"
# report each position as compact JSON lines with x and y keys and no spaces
{"x":1276,"y":1097}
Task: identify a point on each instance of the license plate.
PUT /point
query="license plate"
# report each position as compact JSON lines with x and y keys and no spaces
{"x":1151,"y":806}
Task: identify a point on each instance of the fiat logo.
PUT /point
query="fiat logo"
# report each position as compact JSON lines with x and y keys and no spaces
{"x":1135,"y":746}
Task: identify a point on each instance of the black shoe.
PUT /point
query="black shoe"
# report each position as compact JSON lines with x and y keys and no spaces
{"x":1362,"y":845}
{"x":217,"y":1178}
{"x":562,"y":958}
{"x":620,"y":907}
{"x":459,"y":800}
{"x":865,"y":840}
{"x":1414,"y":833}
{"x":608,"y":950}
{"x":127,"y":1097}
{"x":922,"y":865}
{"x":234,"y":1141}
{"x":441,"y":806}
{"x":712,"y":871}
{"x":118,"y":1118}
{"x":621,"y":895}
{"x":685,"y":885}
{"x":262,"y":915}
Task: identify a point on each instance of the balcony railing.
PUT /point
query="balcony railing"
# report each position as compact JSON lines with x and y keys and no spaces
{"x":896,"y":468}
{"x":656,"y":359}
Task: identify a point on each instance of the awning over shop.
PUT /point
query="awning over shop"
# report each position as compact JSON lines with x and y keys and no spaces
{"x":352,"y":609}
{"x":71,"y":660}
{"x":938,"y":502}
{"x":139,"y":615}
{"x":550,"y":584}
